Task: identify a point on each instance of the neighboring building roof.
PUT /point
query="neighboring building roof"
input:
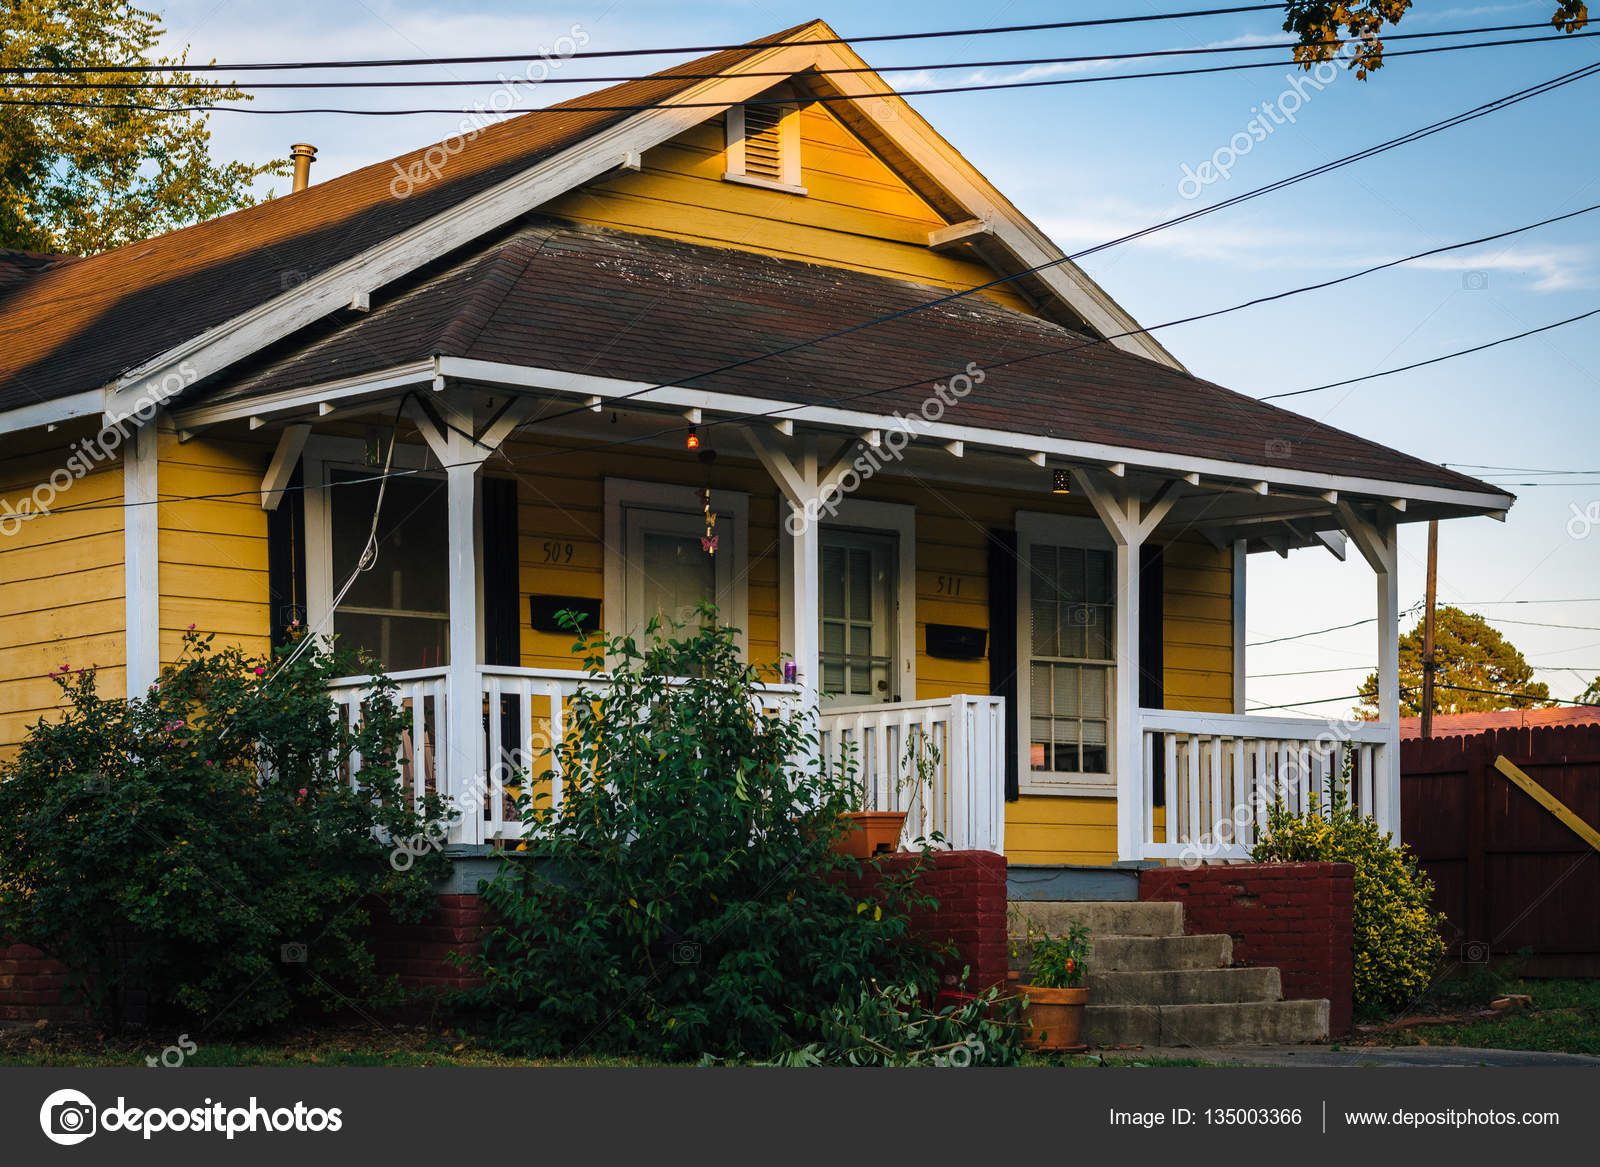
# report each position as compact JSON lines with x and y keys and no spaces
{"x":78,"y":326}
{"x":1463,"y":724}
{"x":583,"y":299}
{"x":19,"y":266}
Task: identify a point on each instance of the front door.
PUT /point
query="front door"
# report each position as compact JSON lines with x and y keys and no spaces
{"x":858,"y":618}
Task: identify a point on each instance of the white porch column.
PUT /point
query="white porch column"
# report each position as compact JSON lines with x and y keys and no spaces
{"x":1130,"y":522}
{"x":141,"y":560}
{"x":1379,"y":543}
{"x":446,"y":423}
{"x":1241,"y":572}
{"x":1387,"y":793}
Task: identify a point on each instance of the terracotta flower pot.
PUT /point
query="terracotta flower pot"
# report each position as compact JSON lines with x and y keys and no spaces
{"x":871,"y":832}
{"x":1054,"y":1018}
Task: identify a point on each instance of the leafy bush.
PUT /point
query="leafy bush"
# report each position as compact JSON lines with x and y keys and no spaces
{"x":875,"y":1026}
{"x":203,"y":843}
{"x":684,"y":899}
{"x":1398,"y":944}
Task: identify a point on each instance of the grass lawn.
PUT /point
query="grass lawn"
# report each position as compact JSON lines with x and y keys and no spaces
{"x":1564,"y":1018}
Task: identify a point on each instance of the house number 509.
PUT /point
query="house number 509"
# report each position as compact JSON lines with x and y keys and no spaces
{"x":557,"y":552}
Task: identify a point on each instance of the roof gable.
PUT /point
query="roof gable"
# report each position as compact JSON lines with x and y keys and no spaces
{"x":199,"y":300}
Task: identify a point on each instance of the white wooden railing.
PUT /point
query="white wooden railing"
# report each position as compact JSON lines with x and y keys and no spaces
{"x":965,"y":801}
{"x":1222,"y":772}
{"x":524,"y":712}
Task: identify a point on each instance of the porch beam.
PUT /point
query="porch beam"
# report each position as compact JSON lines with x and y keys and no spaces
{"x":800,"y":561}
{"x":1386,"y":783}
{"x":284,"y":459}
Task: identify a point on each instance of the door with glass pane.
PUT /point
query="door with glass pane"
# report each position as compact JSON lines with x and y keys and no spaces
{"x":669,"y":571}
{"x":858,"y":618}
{"x":398,"y":609}
{"x":1070,"y":654}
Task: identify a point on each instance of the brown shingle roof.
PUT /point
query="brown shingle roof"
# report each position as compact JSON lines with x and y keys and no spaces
{"x":77,"y":326}
{"x":647,"y":308}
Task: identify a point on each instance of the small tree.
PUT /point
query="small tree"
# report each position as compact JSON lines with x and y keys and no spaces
{"x":1471,"y":654}
{"x":684,"y":899}
{"x":205,"y":843}
{"x":1322,"y":25}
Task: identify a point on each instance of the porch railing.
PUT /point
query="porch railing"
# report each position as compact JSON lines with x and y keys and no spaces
{"x":965,"y":800}
{"x":1220,"y":773}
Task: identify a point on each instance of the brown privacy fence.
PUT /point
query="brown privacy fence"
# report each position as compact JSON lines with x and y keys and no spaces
{"x":1510,"y":874}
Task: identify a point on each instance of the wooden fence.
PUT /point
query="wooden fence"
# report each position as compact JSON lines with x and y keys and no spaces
{"x":1509,"y":873}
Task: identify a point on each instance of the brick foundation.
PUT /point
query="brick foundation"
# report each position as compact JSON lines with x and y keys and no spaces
{"x":969,"y":885}
{"x":971,"y":889}
{"x":32,"y":987}
{"x":1295,"y":917}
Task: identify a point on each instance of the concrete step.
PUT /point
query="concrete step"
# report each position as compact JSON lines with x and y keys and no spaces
{"x":1237,"y":1023}
{"x":1144,"y":953}
{"x":1101,"y":917}
{"x":1190,"y":986}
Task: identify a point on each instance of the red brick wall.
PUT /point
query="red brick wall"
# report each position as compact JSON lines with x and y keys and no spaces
{"x":419,"y":954}
{"x":970,"y":887}
{"x":31,"y":986}
{"x":1292,"y":916}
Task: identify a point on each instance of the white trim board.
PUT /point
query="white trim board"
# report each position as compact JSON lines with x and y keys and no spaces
{"x":900,"y":521}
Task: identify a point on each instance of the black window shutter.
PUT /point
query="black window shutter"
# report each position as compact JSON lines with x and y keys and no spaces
{"x":1003,"y":644}
{"x":1152,"y":651}
{"x":286,"y":559}
{"x":502,"y":614}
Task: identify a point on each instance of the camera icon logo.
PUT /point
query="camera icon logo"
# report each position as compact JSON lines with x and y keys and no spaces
{"x":1279,"y":448}
{"x":686,"y":952}
{"x":1475,"y":952}
{"x":67,"y":1117}
{"x":1474,"y":281}
{"x":292,"y":953}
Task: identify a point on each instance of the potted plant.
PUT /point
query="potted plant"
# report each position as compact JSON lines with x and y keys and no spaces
{"x":1054,"y":993}
{"x":876,"y":832}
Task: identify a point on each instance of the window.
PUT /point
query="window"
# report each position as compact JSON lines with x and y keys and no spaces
{"x":1066,"y":634}
{"x":764,"y":142}
{"x":858,"y":618}
{"x":399,"y":610}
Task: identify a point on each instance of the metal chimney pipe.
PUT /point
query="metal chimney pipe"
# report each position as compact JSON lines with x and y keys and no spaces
{"x":303,"y":154}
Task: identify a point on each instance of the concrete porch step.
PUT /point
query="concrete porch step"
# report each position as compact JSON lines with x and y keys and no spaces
{"x":1233,"y":1024}
{"x":1193,"y":986}
{"x":1101,"y":917}
{"x":1147,"y":953}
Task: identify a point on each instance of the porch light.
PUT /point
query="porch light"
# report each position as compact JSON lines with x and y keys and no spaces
{"x":693,"y":441}
{"x":1062,"y":482}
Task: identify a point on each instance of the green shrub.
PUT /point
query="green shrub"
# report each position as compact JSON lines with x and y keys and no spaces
{"x":203,"y":843}
{"x":1058,"y":962}
{"x":683,"y":900}
{"x":1398,"y":944}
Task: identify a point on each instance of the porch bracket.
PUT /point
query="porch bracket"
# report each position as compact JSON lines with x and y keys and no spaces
{"x":284,"y":459}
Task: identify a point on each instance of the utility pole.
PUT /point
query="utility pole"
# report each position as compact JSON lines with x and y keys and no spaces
{"x":1427,"y":629}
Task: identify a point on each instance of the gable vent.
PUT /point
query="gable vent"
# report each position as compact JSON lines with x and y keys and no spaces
{"x":764,"y":143}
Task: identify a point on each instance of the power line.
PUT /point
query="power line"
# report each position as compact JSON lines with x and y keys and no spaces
{"x":1433,"y":360}
{"x":1518,"y":696}
{"x":1016,"y":62}
{"x":208,"y":107}
{"x":594,"y":54}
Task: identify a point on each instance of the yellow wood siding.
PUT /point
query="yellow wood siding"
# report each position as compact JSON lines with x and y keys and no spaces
{"x":857,"y":212}
{"x":61,"y":579}
{"x":1198,"y":611}
{"x":213,"y":551}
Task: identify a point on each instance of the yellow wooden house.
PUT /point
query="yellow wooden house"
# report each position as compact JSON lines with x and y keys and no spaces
{"x":747,"y":330}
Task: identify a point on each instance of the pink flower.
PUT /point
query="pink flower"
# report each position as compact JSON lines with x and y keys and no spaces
{"x":191,"y":628}
{"x":174,"y":727}
{"x":260,"y":672}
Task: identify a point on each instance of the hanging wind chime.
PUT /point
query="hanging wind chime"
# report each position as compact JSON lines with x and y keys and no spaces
{"x":708,"y":541}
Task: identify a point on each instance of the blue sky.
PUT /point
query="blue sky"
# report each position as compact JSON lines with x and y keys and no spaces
{"x":1090,"y":162}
